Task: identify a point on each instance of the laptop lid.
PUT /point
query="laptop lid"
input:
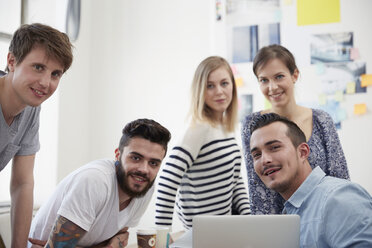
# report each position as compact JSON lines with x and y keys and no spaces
{"x":246,"y":231}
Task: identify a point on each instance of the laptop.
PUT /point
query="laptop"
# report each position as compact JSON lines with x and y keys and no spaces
{"x":246,"y":231}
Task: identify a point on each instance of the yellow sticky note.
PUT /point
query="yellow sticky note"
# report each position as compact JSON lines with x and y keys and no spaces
{"x":317,"y":11}
{"x":239,"y":82}
{"x":288,"y":2}
{"x":360,"y":108}
{"x":366,"y":80}
{"x":322,"y":99}
{"x":267,"y":104}
{"x":350,"y":88}
{"x":339,"y":96}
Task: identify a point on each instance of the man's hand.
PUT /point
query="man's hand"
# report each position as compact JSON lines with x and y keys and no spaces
{"x":37,"y":243}
{"x":120,"y":240}
{"x":21,"y":192}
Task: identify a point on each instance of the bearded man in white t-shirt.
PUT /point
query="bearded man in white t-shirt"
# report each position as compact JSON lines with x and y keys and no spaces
{"x":97,"y":203}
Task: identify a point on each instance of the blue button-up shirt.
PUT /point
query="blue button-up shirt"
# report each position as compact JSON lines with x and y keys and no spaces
{"x":334,"y":212}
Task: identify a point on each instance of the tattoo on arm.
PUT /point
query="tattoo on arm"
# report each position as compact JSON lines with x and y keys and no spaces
{"x":65,"y":233}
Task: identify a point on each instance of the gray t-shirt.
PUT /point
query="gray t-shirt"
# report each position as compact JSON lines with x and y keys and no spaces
{"x":21,"y":137}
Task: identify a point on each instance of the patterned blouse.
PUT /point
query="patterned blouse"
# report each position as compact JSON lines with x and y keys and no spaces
{"x":325,"y":152}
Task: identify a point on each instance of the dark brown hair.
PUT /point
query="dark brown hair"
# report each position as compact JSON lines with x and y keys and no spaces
{"x":268,"y":53}
{"x":57,"y":44}
{"x":294,"y":133}
{"x":147,"y":129}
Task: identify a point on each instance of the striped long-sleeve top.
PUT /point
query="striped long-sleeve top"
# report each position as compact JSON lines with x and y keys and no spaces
{"x":201,"y":177}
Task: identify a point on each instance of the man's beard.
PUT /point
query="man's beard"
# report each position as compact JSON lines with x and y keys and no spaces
{"x":122,"y":178}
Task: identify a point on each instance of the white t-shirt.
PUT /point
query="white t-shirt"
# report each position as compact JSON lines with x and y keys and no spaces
{"x":89,"y":198}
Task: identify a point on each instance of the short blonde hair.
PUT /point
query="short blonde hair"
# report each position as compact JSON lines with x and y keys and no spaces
{"x":199,"y":111}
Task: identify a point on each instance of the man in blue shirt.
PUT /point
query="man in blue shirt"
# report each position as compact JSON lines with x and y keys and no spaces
{"x":334,"y":212}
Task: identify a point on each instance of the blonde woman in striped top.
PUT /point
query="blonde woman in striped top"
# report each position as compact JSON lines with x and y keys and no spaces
{"x":202,"y":174}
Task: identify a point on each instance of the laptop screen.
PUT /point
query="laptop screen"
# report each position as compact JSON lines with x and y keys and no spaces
{"x":246,"y":231}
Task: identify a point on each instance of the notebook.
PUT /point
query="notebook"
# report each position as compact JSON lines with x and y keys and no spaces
{"x":246,"y":231}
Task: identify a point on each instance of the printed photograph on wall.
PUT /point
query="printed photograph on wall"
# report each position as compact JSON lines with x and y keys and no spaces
{"x":337,"y":77}
{"x":326,"y":48}
{"x":247,"y":40}
{"x":234,"y":6}
{"x":245,"y":106}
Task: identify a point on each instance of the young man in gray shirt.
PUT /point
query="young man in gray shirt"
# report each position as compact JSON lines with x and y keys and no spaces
{"x":37,"y":58}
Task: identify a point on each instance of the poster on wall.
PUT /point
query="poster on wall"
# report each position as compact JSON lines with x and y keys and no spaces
{"x":247,"y":40}
{"x":336,"y":47}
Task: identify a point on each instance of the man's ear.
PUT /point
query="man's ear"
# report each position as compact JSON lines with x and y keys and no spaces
{"x":117,"y":153}
{"x":303,"y":150}
{"x":11,"y":61}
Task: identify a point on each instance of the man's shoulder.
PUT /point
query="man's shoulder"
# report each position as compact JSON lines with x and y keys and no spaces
{"x":99,"y":167}
{"x":329,"y":184}
{"x":97,"y":172}
{"x":333,"y":189}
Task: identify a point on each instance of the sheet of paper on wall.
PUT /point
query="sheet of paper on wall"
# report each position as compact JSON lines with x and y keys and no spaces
{"x":287,"y":2}
{"x":350,"y":88}
{"x":360,"y":108}
{"x":239,"y":82}
{"x":322,"y":99}
{"x":234,"y":70}
{"x":311,"y":12}
{"x":320,"y":68}
{"x":339,"y":96}
{"x":341,"y":114}
{"x":366,"y":80}
{"x":354,"y":53}
{"x":278,"y":15}
{"x":267,"y":104}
